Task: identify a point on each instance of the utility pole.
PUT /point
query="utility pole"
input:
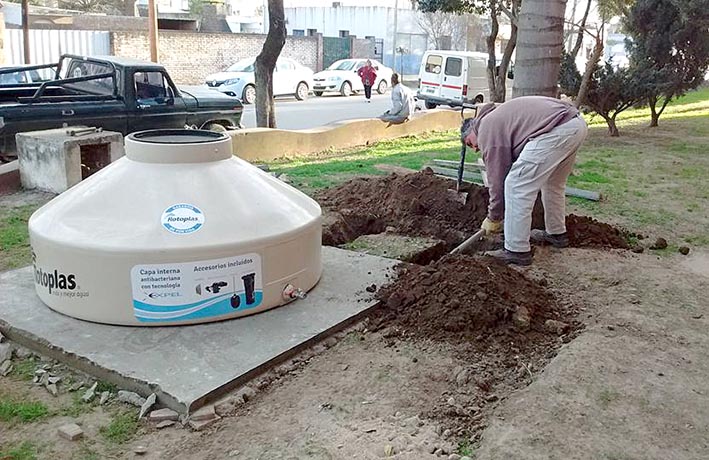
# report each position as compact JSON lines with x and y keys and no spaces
{"x":152,"y":30}
{"x":393,"y":47}
{"x":26,"y":29}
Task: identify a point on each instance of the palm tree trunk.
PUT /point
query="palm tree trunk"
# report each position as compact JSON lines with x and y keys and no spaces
{"x":266,"y":62}
{"x":539,"y":45}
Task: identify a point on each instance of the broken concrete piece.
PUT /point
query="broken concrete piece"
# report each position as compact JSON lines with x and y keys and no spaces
{"x":129,"y":397}
{"x":70,"y":431}
{"x":203,"y":413}
{"x":5,"y":351}
{"x":90,"y":393}
{"x":521,"y":318}
{"x":5,"y":367}
{"x":145,"y":407}
{"x":558,"y":327}
{"x":2,"y":338}
{"x":104,"y":398}
{"x":54,"y":380}
{"x":161,"y":415}
{"x":44,"y":379}
{"x":140,"y":450}
{"x":200,"y":425}
{"x":165,"y":424}
{"x":52,"y":389}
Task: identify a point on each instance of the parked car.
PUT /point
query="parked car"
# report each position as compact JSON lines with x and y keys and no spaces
{"x":342,"y":77}
{"x":289,"y":78}
{"x":454,"y":78}
{"x":117,"y":94}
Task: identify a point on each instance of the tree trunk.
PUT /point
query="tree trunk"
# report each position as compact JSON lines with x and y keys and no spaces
{"x":539,"y":45}
{"x":501,"y":76}
{"x":266,"y":62}
{"x":612,"y":127}
{"x":582,"y":30}
{"x":654,"y":116}
{"x":491,"y":57}
{"x":588,"y":73}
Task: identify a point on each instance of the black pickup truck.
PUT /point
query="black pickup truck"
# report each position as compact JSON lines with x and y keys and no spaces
{"x":114,"y":93}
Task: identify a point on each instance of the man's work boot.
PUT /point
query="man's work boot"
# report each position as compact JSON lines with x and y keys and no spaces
{"x":542,"y":238}
{"x":510,"y":257}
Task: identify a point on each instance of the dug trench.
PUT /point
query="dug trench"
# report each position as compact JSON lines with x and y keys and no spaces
{"x":505,"y":324}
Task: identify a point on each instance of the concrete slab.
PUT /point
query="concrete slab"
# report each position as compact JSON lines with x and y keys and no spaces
{"x":187,"y":366}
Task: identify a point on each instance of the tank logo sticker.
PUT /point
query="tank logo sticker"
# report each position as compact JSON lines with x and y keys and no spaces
{"x":182,"y":218}
{"x":196,"y":290}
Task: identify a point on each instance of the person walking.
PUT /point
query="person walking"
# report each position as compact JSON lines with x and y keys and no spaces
{"x":528,"y":145}
{"x":368,"y":74}
{"x":403,"y":103}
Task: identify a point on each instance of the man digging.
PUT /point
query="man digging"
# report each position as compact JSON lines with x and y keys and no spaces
{"x":528,"y":144}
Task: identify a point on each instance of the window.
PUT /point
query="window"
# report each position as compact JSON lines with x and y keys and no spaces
{"x":344,"y":33}
{"x":151,"y":88}
{"x":434,"y":63}
{"x":284,"y":66}
{"x":454,"y":67}
{"x":312,"y":32}
{"x":299,"y":32}
{"x":102,"y":86}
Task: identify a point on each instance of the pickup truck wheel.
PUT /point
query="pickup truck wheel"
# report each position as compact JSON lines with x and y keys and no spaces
{"x":301,"y":91}
{"x":216,"y":127}
{"x":346,"y":89}
{"x":317,"y":93}
{"x":431,"y":105}
{"x":249,"y":94}
{"x":382,"y":87}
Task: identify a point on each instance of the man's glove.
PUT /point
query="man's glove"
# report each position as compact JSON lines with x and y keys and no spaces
{"x":492,"y":226}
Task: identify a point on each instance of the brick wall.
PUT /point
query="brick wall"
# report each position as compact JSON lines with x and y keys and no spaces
{"x":190,"y":57}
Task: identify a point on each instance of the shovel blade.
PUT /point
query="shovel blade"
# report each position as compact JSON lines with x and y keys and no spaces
{"x":459,"y":197}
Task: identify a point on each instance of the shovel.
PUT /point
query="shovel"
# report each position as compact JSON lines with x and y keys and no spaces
{"x":465,"y":245}
{"x":457,"y":195}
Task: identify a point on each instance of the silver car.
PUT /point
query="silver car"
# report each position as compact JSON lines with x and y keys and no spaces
{"x":239,"y":80}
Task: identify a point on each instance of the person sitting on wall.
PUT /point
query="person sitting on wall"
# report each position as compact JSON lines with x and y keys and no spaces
{"x":402,"y":101}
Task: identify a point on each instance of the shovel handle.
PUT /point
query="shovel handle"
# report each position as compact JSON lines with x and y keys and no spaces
{"x":469,"y":242}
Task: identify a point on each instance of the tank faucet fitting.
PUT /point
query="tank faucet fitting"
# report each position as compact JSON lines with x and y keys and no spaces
{"x":291,"y":292}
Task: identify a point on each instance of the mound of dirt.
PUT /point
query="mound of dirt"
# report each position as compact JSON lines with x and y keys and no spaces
{"x":416,"y":204}
{"x":421,"y":204}
{"x":460,"y":299}
{"x":588,"y":232}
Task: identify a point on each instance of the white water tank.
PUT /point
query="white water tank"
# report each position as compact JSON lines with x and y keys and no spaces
{"x":178,"y":231}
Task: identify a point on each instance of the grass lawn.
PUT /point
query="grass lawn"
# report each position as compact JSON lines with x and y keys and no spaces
{"x":652,"y":179}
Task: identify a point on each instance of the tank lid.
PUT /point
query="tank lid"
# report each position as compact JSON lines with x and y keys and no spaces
{"x":178,"y":146}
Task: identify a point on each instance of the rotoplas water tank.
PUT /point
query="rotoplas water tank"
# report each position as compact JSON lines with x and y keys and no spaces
{"x":178,"y":231}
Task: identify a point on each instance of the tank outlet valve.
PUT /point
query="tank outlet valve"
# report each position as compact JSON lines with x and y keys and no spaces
{"x":291,"y":293}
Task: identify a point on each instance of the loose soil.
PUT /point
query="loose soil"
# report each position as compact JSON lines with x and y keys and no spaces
{"x":421,"y":204}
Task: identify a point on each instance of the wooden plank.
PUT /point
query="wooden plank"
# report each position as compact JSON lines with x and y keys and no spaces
{"x":476,"y":178}
{"x":455,"y":164}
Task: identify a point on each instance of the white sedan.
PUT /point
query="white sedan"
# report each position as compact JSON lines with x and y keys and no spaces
{"x":239,"y":80}
{"x":342,"y":77}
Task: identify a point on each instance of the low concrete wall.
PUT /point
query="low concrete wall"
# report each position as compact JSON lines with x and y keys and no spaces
{"x":264,"y":144}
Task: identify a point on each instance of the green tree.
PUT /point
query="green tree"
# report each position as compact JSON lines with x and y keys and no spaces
{"x":669,"y":48}
{"x":611,"y":91}
{"x":496,"y":74}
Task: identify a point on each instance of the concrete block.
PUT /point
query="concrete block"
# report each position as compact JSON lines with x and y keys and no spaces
{"x":204,"y":413}
{"x":54,"y":160}
{"x":70,"y":431}
{"x":161,"y":415}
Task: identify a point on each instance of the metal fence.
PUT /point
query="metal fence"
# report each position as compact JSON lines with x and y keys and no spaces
{"x":47,"y":45}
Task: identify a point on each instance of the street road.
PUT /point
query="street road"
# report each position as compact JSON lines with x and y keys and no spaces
{"x":318,"y":111}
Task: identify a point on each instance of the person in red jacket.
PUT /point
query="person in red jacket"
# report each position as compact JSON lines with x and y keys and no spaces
{"x":368,"y":75}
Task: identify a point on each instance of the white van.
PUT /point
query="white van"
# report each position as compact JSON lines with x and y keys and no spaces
{"x":454,"y":77}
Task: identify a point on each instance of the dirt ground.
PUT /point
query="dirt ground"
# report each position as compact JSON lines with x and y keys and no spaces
{"x":619,"y":373}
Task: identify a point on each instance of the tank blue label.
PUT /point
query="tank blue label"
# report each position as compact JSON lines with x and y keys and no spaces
{"x":196,"y":290}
